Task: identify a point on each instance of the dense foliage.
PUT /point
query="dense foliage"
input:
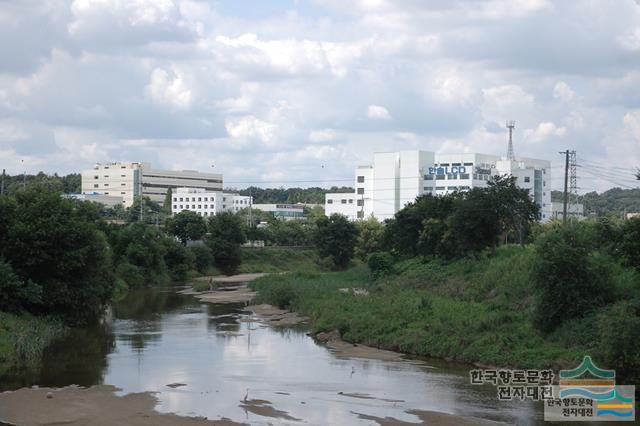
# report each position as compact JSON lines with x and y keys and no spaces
{"x":335,"y":238}
{"x":186,"y":225}
{"x":226,"y":235}
{"x":55,"y":259}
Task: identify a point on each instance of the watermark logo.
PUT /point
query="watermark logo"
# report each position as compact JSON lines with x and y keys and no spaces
{"x":588,"y":393}
{"x":585,"y":393}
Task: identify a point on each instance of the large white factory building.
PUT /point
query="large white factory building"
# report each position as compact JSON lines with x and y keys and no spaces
{"x":397,"y":178}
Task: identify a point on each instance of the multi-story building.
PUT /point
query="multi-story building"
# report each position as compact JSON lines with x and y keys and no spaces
{"x":129,"y":180}
{"x":397,"y":178}
{"x":207,"y":203}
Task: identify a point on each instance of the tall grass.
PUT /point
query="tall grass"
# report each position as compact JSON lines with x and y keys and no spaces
{"x":23,"y":338}
{"x":472,"y":310}
{"x":269,"y":259}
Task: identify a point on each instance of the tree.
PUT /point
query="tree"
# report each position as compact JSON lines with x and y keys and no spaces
{"x":335,"y":237}
{"x":55,"y":244}
{"x":178,"y":259}
{"x":166,"y":206}
{"x":570,"y":277}
{"x":402,"y":233}
{"x":630,"y":246}
{"x":225,"y":236}
{"x":186,"y":225}
{"x":513,"y":205}
{"x":370,"y":233}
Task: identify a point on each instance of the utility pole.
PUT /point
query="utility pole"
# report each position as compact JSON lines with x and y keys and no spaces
{"x":566,"y":186}
{"x":24,"y":177}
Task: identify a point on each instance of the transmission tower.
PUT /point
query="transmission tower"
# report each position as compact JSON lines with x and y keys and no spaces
{"x":573,"y":178}
{"x":511,"y":125}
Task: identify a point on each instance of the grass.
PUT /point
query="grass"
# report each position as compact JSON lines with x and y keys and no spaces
{"x":24,"y":337}
{"x":471,"y":310}
{"x":271,"y":259}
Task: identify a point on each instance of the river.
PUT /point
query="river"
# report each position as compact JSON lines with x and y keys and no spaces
{"x":224,"y":356}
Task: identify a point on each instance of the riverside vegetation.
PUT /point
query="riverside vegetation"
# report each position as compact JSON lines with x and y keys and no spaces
{"x":468,"y":276}
{"x":443,"y":281}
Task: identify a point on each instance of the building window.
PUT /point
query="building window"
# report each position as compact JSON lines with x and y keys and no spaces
{"x":123,"y":184}
{"x":544,"y":183}
{"x":464,"y":176}
{"x":350,"y":200}
{"x":106,"y":193}
{"x":199,"y":198}
{"x":106,"y":184}
{"x":122,"y":193}
{"x":360,"y":191}
{"x":439,"y":188}
{"x":360,"y":214}
{"x":96,"y":177}
{"x":199,"y":206}
{"x":175,"y":199}
{"x":95,"y":185}
{"x":181,"y":207}
{"x":439,"y":177}
{"x":211,"y":205}
{"x":360,"y":179}
{"x":193,"y":206}
{"x":451,"y":176}
{"x":360,"y":202}
{"x":527,"y":179}
{"x":329,"y":201}
{"x":428,"y":177}
{"x":206,"y":198}
{"x":343,"y":201}
{"x":468,"y":164}
{"x":123,"y":175}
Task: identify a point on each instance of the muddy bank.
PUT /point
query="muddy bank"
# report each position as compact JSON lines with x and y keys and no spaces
{"x":276,"y":317}
{"x":239,"y":278}
{"x":352,"y":350}
{"x":241,"y":294}
{"x":97,"y":405}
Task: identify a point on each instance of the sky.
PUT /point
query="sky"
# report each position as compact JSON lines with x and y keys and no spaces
{"x":299,"y":92}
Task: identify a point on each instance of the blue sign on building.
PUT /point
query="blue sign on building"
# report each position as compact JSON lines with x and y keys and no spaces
{"x":447,"y":170}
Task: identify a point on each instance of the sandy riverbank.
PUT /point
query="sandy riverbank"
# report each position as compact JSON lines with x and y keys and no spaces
{"x":97,"y":405}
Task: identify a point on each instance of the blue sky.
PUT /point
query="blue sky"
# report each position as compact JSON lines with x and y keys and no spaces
{"x":278,"y":92}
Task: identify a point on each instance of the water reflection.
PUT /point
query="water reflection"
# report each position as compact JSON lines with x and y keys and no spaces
{"x":224,"y":357}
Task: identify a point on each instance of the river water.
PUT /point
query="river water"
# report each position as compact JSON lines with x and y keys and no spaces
{"x":224,"y":356}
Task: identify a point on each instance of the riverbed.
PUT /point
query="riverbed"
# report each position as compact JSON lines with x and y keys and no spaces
{"x":221,"y":361}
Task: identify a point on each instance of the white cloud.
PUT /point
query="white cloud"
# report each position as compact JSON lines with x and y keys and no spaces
{"x":544,"y":132}
{"x":324,"y":135}
{"x":250,"y":127}
{"x":563,"y":92}
{"x":378,"y":112}
{"x":507,"y":95}
{"x":631,"y":41}
{"x":170,"y":89}
{"x":632,"y":123}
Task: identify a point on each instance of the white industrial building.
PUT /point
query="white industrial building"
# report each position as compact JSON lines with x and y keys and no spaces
{"x":283,"y":211}
{"x":207,"y":203}
{"x":131,"y":179}
{"x":397,"y":178}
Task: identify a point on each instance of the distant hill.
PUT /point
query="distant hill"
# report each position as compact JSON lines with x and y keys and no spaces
{"x":614,"y":201}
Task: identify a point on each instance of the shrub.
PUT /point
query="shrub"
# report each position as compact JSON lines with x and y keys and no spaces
{"x":16,"y":294}
{"x":178,"y":259}
{"x":130,"y":274}
{"x":381,"y":264}
{"x":280,"y":294}
{"x":203,"y":258}
{"x":570,"y":279}
{"x":619,"y":339}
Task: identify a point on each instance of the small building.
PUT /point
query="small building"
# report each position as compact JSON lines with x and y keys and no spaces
{"x":283,"y":211}
{"x":94,"y":197}
{"x":574,"y":210}
{"x":207,"y":203}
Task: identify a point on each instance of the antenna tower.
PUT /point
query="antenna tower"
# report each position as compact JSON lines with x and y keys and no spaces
{"x":511,"y":125}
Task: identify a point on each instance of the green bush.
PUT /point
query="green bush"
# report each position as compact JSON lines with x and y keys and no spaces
{"x":16,"y":294}
{"x":380,"y":264}
{"x":619,"y":341}
{"x":178,"y":259}
{"x":281,"y":294}
{"x":201,"y":286}
{"x":130,"y":274}
{"x":570,"y":278}
{"x":203,"y":258}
